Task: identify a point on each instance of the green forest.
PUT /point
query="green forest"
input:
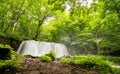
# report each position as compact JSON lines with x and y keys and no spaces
{"x":84,"y":26}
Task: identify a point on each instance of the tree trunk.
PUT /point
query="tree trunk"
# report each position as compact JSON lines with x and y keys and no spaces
{"x":40,"y":22}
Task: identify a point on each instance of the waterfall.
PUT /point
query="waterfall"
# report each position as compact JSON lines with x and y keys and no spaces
{"x":36,"y":48}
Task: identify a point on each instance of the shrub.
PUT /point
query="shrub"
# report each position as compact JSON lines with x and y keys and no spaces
{"x":48,"y":57}
{"x":45,"y":58}
{"x":52,"y":54}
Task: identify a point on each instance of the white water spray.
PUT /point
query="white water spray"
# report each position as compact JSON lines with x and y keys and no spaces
{"x":36,"y":48}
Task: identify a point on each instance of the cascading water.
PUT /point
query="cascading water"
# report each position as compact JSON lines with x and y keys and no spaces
{"x":36,"y":48}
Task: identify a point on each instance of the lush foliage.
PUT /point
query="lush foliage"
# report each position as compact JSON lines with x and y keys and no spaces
{"x":45,"y":58}
{"x":48,"y":57}
{"x":113,"y":59}
{"x":84,"y":28}
{"x":52,"y":54}
{"x":93,"y":61}
{"x":27,"y":16}
{"x":10,"y":64}
{"x":116,"y":70}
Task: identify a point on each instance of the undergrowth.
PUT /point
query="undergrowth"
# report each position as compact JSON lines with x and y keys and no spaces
{"x":93,"y":61}
{"x":9,"y":64}
{"x":115,"y":59}
{"x":48,"y":57}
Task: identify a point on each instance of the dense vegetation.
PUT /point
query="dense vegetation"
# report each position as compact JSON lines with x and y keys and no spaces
{"x":94,"y":27}
{"x":96,"y":62}
{"x":85,"y":28}
{"x":92,"y":61}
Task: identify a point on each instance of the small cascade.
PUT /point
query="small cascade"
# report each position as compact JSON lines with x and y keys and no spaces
{"x":36,"y":48}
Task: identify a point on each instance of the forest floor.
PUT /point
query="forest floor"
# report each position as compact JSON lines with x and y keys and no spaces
{"x":34,"y":66}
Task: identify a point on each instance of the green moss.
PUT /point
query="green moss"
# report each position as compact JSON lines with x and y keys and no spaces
{"x":96,"y":62}
{"x":52,"y":54}
{"x":65,"y":60}
{"x":45,"y":58}
{"x":48,"y":57}
{"x":10,"y":64}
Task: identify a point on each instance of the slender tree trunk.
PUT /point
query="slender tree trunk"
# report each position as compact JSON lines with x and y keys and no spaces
{"x":40,"y":22}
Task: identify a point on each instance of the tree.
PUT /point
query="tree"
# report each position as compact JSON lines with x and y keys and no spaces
{"x":94,"y":28}
{"x":83,"y":28}
{"x":27,"y":16}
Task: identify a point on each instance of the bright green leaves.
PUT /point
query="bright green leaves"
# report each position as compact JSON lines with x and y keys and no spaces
{"x":48,"y":57}
{"x":93,"y":28}
{"x":57,"y":4}
{"x":27,"y":16}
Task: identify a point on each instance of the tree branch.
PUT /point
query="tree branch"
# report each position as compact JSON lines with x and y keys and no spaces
{"x":40,"y":22}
